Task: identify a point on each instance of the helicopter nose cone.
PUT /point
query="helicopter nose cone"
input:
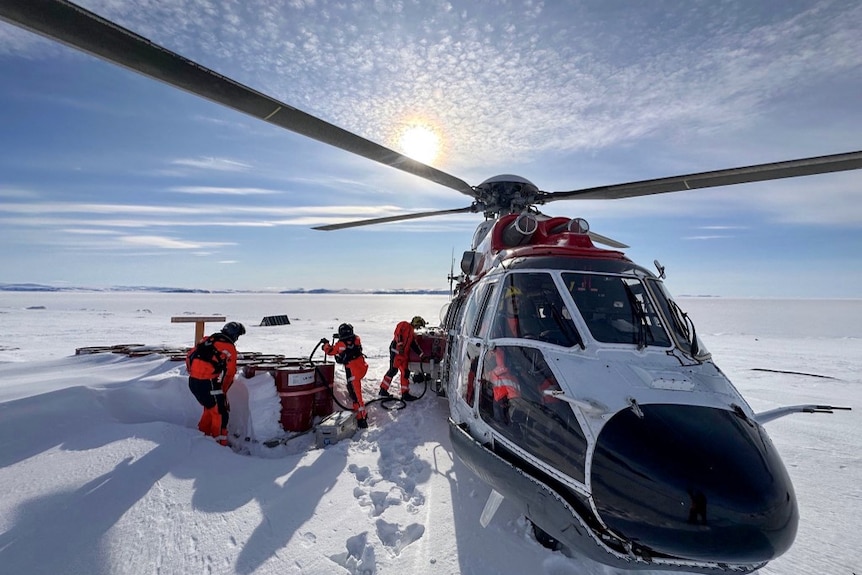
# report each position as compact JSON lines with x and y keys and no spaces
{"x":694,"y":482}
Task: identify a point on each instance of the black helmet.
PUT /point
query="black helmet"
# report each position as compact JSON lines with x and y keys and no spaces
{"x":233,"y":330}
{"x":345,"y":331}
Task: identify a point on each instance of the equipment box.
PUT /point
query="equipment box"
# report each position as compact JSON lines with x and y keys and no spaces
{"x":333,"y":428}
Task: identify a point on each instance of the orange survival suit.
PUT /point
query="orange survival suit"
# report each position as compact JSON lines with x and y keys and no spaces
{"x":404,"y":339}
{"x":212,"y":367}
{"x":348,"y":352}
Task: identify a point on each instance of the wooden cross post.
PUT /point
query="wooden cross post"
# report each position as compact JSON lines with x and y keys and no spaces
{"x":199,"y":321}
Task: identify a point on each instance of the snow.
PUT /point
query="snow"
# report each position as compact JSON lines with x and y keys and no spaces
{"x":104,"y":471}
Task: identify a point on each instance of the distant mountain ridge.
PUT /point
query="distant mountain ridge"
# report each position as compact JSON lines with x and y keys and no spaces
{"x":34,"y":287}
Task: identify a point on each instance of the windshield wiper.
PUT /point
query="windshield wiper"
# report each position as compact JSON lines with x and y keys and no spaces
{"x":639,"y":317}
{"x":685,"y":326}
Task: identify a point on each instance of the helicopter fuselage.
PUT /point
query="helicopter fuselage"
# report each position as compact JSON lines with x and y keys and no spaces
{"x":579,"y":391}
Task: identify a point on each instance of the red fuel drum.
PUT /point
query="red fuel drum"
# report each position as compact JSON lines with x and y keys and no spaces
{"x":303,"y":392}
{"x":323,"y":404}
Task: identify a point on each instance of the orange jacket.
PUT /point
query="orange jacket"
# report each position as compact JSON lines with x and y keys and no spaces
{"x":202,"y":369}
{"x":349,"y":354}
{"x":404,"y":340}
{"x":503,"y":382}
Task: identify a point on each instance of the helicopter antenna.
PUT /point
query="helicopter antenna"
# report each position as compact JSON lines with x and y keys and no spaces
{"x":451,"y":273}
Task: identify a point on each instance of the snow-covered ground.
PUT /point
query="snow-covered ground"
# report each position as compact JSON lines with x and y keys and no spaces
{"x":104,"y":472}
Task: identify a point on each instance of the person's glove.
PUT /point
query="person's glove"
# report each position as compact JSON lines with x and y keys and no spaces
{"x":323,"y":340}
{"x":421,"y":357}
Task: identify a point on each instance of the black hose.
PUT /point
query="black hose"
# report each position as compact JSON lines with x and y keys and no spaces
{"x":385,"y":402}
{"x":425,"y":377}
{"x":319,"y":343}
{"x":388,"y":403}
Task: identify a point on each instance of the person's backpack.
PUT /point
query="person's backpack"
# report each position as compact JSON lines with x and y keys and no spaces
{"x":206,"y":351}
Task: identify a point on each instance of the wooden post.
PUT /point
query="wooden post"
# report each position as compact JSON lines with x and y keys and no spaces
{"x":199,"y":321}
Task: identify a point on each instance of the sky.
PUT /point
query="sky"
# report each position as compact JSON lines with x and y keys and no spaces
{"x":108,"y":178}
{"x":104,"y":471}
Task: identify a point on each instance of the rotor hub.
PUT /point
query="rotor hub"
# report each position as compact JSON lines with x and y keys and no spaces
{"x":506,"y":194}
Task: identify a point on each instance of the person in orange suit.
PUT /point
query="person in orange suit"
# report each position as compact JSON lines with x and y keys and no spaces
{"x":212,"y":367}
{"x":348,"y":352}
{"x":505,"y":387}
{"x":403,"y":341}
{"x":508,"y":322}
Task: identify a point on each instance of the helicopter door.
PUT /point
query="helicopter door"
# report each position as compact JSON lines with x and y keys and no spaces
{"x":452,"y":318}
{"x":513,"y":402}
{"x":475,"y":324}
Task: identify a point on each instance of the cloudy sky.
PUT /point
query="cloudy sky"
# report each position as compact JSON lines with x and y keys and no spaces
{"x":109,"y":178}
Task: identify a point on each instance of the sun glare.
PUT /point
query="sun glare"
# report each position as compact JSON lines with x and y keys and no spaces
{"x":420,"y":143}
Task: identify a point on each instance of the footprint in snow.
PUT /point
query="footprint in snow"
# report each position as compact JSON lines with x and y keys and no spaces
{"x":359,"y":558}
{"x":395,"y":538}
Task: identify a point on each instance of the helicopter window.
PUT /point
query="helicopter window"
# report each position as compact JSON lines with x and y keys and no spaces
{"x":472,"y":310}
{"x":531,"y":307}
{"x":484,"y":315}
{"x":453,"y":314}
{"x":512,"y":401}
{"x":475,"y":303}
{"x":617,"y":309}
{"x":467,"y":385}
{"x":681,"y":326}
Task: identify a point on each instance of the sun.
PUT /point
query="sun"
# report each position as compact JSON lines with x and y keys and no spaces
{"x":421,"y":143}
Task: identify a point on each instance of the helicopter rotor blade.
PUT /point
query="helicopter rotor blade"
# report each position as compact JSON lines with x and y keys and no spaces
{"x":389,"y":219}
{"x":605,"y":240}
{"x":756,"y":173}
{"x":74,"y":26}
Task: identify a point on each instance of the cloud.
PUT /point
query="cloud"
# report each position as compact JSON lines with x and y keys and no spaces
{"x":89,"y":231}
{"x":713,"y":237}
{"x":214,"y":164}
{"x":169,"y":243}
{"x":221,"y":191}
{"x":18,"y":194}
{"x":101,"y":219}
{"x":510,"y":81}
{"x":723,"y":227}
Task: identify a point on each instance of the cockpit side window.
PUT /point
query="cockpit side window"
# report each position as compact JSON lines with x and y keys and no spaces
{"x":513,"y":402}
{"x":678,"y":322}
{"x":531,"y":307}
{"x":617,"y":309}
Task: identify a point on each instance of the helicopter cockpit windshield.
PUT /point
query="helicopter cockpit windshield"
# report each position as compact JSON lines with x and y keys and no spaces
{"x":617,"y":309}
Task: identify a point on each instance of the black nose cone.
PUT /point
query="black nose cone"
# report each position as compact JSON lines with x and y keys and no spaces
{"x":694,"y":482}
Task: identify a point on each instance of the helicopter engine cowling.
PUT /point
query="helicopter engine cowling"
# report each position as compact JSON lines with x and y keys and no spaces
{"x":520,"y":230}
{"x":695,"y":482}
{"x":574,"y":225}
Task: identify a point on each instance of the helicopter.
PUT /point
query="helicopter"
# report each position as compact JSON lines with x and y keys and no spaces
{"x":578,"y":388}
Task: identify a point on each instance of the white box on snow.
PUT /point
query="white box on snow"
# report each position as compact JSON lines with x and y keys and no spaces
{"x":335,"y":427}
